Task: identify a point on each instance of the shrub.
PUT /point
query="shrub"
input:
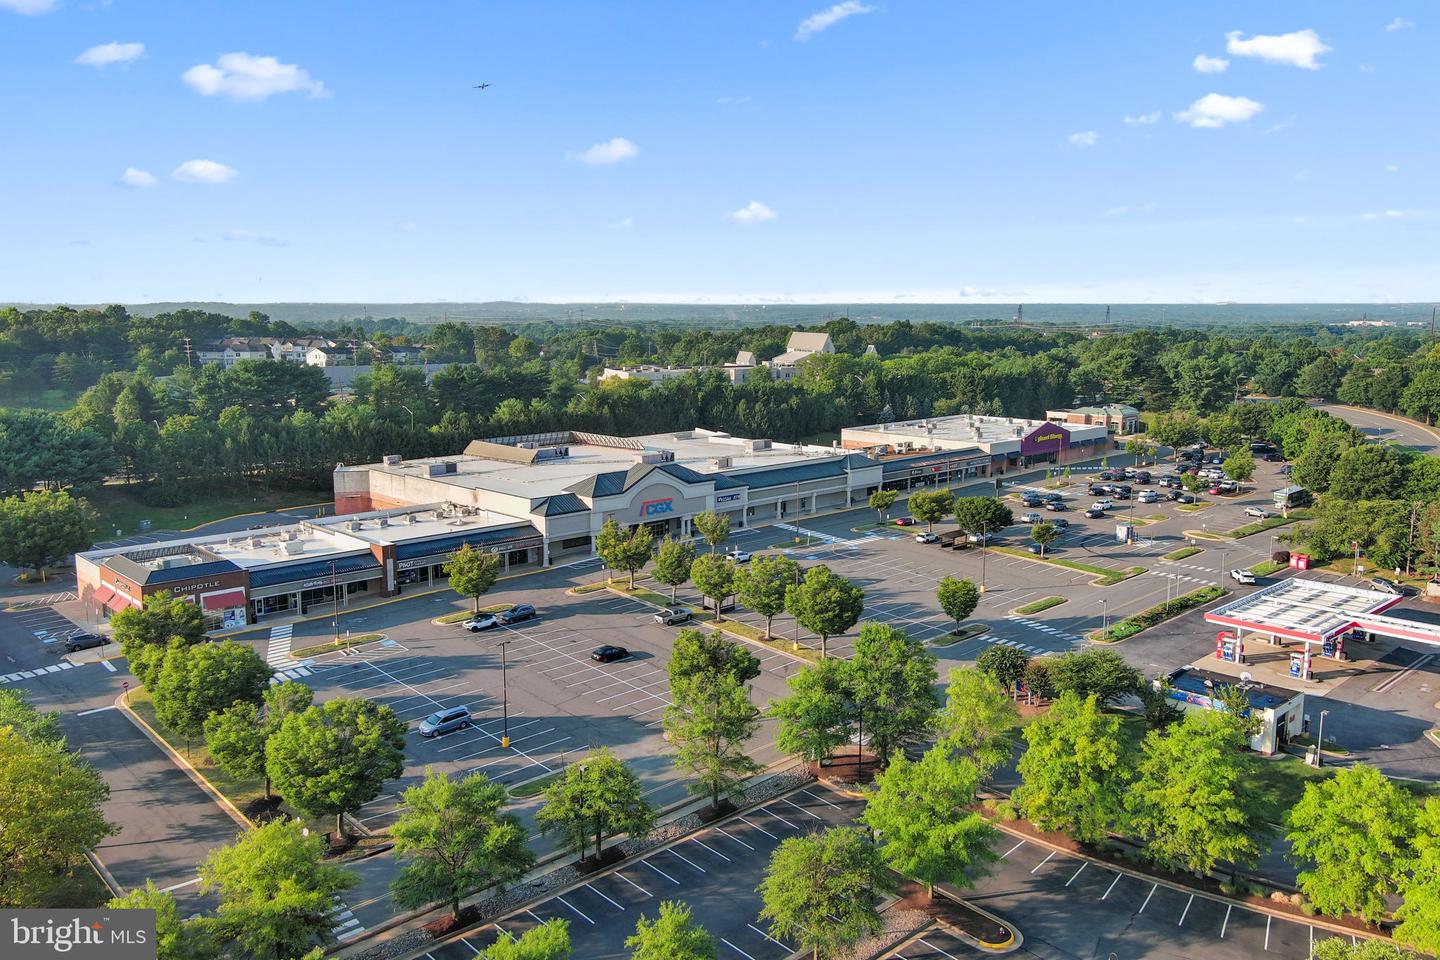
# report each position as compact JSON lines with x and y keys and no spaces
{"x":1281,"y":556}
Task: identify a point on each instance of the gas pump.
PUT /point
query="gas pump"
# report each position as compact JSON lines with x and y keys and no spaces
{"x":1229,"y":647}
{"x":1300,"y":665}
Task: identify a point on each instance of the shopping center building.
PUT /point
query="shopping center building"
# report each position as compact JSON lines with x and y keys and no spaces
{"x":1004,"y":443}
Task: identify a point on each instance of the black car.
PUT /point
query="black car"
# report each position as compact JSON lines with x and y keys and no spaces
{"x":1106,"y":475}
{"x":1097,"y":490}
{"x":521,"y":611}
{"x":1052,"y":497}
{"x":1143,"y":476}
{"x":84,"y":641}
{"x":1185,"y":498}
{"x":1274,"y":458}
{"x":1174,"y":495}
{"x":1060,"y":523}
{"x":1030,"y":499}
{"x":1122,"y":493}
{"x":608,"y":653}
{"x":1094,"y":513}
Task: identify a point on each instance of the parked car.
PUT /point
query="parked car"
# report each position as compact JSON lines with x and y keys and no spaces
{"x":739,"y":556}
{"x":1170,"y":482}
{"x":1174,"y":495}
{"x":444,"y":721}
{"x":1102,"y":505}
{"x":1060,"y":523}
{"x":1274,"y":458}
{"x":904,"y":521}
{"x":1097,"y":490}
{"x":1056,"y":506}
{"x":1106,"y":475}
{"x":1031,"y":517}
{"x":1260,"y":513}
{"x":1242,"y":576}
{"x":1120,"y":494}
{"x":608,"y":653}
{"x":977,"y":538}
{"x":84,"y":641}
{"x":1052,"y":497}
{"x":1228,"y":486}
{"x":927,"y":538}
{"x":1185,"y":498}
{"x":1384,"y":585}
{"x":521,"y":611}
{"x":1286,"y":469}
{"x":1142,"y":476}
{"x":1148,"y":496}
{"x":670,"y":616}
{"x":1031,"y":499}
{"x":1214,"y":489}
{"x":483,"y":621}
{"x":1094,"y":513}
{"x":1034,"y":548}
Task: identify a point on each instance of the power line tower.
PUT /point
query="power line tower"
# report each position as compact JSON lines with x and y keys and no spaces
{"x":1432,"y":321}
{"x":186,"y":342}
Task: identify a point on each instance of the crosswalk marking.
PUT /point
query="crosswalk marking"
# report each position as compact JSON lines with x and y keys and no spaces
{"x":41,"y":671}
{"x":346,"y":927}
{"x":277,"y":653}
{"x":1180,"y":576}
{"x":1046,"y":628}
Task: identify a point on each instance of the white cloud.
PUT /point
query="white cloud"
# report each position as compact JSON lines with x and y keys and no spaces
{"x":1392,"y":215}
{"x":1142,"y":119}
{"x":825,"y":19}
{"x":204,"y":171}
{"x":1285,"y":124}
{"x":241,"y":76}
{"x":1216,"y":110}
{"x":1085,"y":138}
{"x":240,"y":235}
{"x":138,"y":179}
{"x":1298,"y":49}
{"x":28,"y":7}
{"x":105,"y":54}
{"x":611,"y":151}
{"x":752,"y":212}
{"x":1392,"y":168}
{"x":624,"y":223}
{"x":1204,"y":64}
{"x":1399,"y":23}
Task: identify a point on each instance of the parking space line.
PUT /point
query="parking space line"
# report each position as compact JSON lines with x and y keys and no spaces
{"x":605,"y":898}
{"x":1226,"y":922}
{"x":1043,"y":862}
{"x":816,"y":796}
{"x":736,"y":839}
{"x":802,"y":809}
{"x":768,"y":937}
{"x":1268,"y":918}
{"x":761,"y":829}
{"x":633,"y":884}
{"x":661,"y":872}
{"x":711,"y":849}
{"x":692,"y":863}
{"x":937,"y":949}
{"x":1111,"y":887}
{"x":1186,"y":911}
{"x":533,"y":914}
{"x":1012,"y":849}
{"x":1147,"y":899}
{"x":778,"y":817}
{"x":1083,"y":865}
{"x":736,"y":949}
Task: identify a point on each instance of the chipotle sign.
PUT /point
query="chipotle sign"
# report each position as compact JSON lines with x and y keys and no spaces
{"x":1046,"y":438}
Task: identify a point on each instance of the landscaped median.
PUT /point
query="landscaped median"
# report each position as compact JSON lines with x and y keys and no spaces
{"x":460,"y":616}
{"x":331,"y":646}
{"x":965,"y":631}
{"x":1105,"y":576}
{"x":1268,"y":568}
{"x":734,"y":628}
{"x":1182,"y":553}
{"x":1035,"y":606}
{"x":1146,"y":619}
{"x":1269,"y":523}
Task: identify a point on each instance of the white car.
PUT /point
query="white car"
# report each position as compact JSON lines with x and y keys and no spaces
{"x":1031,"y":517}
{"x":739,"y":556}
{"x":483,"y":622}
{"x":1258,"y":512}
{"x":1242,"y":576}
{"x":1148,"y":496}
{"x":1102,"y":505}
{"x":926,"y":538}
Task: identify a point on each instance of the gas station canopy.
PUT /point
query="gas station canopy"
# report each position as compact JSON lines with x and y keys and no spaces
{"x":1314,"y":611}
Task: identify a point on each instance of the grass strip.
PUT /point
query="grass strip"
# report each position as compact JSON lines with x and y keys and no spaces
{"x":1193,"y":507}
{"x":332,"y":646}
{"x":967,"y":631}
{"x":1035,"y":606}
{"x":1269,"y":523}
{"x":533,"y":788}
{"x":1182,"y":553}
{"x":1108,"y":576}
{"x":462,"y":615}
{"x":585,"y":588}
{"x":1146,"y":619}
{"x":1267,"y":567}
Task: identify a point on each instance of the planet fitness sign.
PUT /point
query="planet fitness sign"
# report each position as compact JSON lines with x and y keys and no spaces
{"x":1046,"y":438}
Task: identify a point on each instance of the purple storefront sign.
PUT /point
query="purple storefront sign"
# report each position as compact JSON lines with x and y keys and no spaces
{"x":1046,"y":438}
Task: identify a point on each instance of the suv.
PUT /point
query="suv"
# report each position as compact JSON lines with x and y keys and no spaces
{"x":482,"y":622}
{"x":1148,"y":496}
{"x":673,"y":615}
{"x":444,"y":721}
{"x":1242,"y":576}
{"x":1259,"y":513}
{"x":1030,"y":499}
{"x":84,"y":641}
{"x":1031,"y":517}
{"x":521,"y":611}
{"x":1102,"y":505}
{"x":927,"y":538}
{"x":1386,"y":586}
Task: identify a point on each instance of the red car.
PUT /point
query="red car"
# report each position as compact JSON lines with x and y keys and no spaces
{"x":1215,"y":490}
{"x":905,"y":522}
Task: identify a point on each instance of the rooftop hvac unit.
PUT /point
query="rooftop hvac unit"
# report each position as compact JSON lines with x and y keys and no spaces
{"x":552,"y":453}
{"x":383,"y":522}
{"x":292,"y":534}
{"x":721,"y":463}
{"x":410,"y":518}
{"x":755,"y":445}
{"x":292,"y":547}
{"x":441,"y":469}
{"x":392,"y":459}
{"x":528,"y":445}
{"x":354,"y":526}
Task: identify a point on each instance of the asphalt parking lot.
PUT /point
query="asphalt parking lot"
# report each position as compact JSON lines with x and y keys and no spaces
{"x":715,"y":871}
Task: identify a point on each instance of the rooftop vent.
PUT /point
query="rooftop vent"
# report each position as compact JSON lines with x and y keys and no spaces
{"x":392,"y":459}
{"x":411,"y":518}
{"x":441,"y":469}
{"x":354,"y":526}
{"x":383,"y":522}
{"x":292,"y":548}
{"x":721,"y":463}
{"x":552,"y":453}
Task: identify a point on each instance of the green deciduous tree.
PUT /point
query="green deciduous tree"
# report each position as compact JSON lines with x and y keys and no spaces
{"x":1239,"y":466}
{"x":597,"y":795}
{"x":817,"y":716}
{"x":820,"y":891}
{"x":672,"y":564}
{"x":1072,"y":772}
{"x":695,"y":653}
{"x":456,"y":840}
{"x":1351,"y":836}
{"x":714,"y":527}
{"x":1368,"y":472}
{"x":472,"y":573}
{"x":18,"y":713}
{"x":824,"y":603}
{"x":1005,"y":664}
{"x":1419,"y":914}
{"x":1044,"y":533}
{"x":714,"y":576}
{"x":1342,"y":948}
{"x":708,"y":722}
{"x":1103,"y":673}
{"x":672,"y":935}
{"x":928,"y":506}
{"x":761,"y":585}
{"x":627,"y":550}
{"x":236,"y":739}
{"x":173,"y":939}
{"x":144,"y":632}
{"x":549,"y":941}
{"x":42,"y":526}
{"x":979,"y":719}
{"x":891,"y":680}
{"x":197,"y":680}
{"x":983,"y":515}
{"x":881,"y":501}
{"x":334,"y":758}
{"x":276,"y":896}
{"x":958,"y":598}
{"x":919,"y":809}
{"x":1188,"y":805}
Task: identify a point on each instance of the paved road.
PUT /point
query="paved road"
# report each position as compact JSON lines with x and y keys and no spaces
{"x":1385,"y":428}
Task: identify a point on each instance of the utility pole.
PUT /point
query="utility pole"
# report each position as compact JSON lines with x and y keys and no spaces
{"x":186,"y":342}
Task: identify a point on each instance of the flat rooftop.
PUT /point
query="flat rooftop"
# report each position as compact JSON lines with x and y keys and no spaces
{"x":970,"y":428}
{"x":432,"y":520}
{"x":703,"y":451}
{"x":1302,"y":609}
{"x":1206,"y":683}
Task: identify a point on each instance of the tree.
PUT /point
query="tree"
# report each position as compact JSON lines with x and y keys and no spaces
{"x":816,"y":717}
{"x":1239,"y":466}
{"x":1101,"y":672}
{"x":708,"y":723}
{"x":42,"y":526}
{"x":50,"y":817}
{"x":1072,"y":772}
{"x":979,"y":719}
{"x":697,"y":654}
{"x":1318,"y":378}
{"x":456,"y":840}
{"x":236,"y":739}
{"x":472,"y":573}
{"x":928,"y":506}
{"x":197,"y":680}
{"x":982,"y":515}
{"x":144,"y":632}
{"x":1368,"y":472}
{"x":173,"y":940}
{"x":1044,"y":533}
{"x":958,"y":598}
{"x":891,"y":681}
{"x":336,"y":757}
{"x":1352,"y":834}
{"x":824,"y":603}
{"x":1234,"y":703}
{"x":1419,"y":914}
{"x":672,"y":564}
{"x":624,"y":550}
{"x":1317,"y":458}
{"x":595,"y":796}
{"x":881,"y":501}
{"x":1005,"y":664}
{"x":672,"y":935}
{"x":714,"y":576}
{"x":36,"y":726}
{"x":1187,"y":804}
{"x":549,"y":941}
{"x":1160,"y":710}
{"x":761,"y":585}
{"x":820,"y":890}
{"x":1039,"y":685}
{"x":610,"y":545}
{"x":276,"y":895}
{"x":920,"y":812}
{"x":714,"y":527}
{"x":1138,"y":449}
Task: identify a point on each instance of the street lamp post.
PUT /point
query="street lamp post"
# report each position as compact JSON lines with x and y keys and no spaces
{"x":1104,"y":618}
{"x":504,"y":697}
{"x":984,"y":536}
{"x":334,"y":604}
{"x":1220,"y":574}
{"x":412,"y":416}
{"x":1320,"y":739}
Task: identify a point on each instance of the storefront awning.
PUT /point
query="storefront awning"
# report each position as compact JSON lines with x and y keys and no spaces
{"x":118,"y":601}
{"x":224,"y":600}
{"x":103,"y":595}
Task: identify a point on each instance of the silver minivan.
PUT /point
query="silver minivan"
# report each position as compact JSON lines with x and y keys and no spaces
{"x":444,"y":721}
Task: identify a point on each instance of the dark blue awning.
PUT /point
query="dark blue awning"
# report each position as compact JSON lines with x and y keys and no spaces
{"x":312,"y":570}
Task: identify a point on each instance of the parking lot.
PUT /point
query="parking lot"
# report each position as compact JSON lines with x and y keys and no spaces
{"x":715,"y":871}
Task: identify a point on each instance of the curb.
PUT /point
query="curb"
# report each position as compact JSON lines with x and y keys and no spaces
{"x":1095,"y":582}
{"x":104,"y":873}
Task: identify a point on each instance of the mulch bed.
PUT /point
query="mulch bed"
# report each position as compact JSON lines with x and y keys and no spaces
{"x":952,"y":913}
{"x":844,"y":767}
{"x":439,"y":928}
{"x":263,"y":809}
{"x":710,"y":813}
{"x":609,"y":857}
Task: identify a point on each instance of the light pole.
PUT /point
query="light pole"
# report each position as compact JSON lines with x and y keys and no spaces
{"x":1104,"y":618}
{"x":412,"y":416}
{"x":504,"y":697}
{"x":335,"y":604}
{"x":1220,"y":573}
{"x":1320,"y":739}
{"x":984,"y":536}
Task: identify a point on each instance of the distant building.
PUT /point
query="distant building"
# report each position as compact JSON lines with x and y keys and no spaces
{"x":1118,"y":418}
{"x":232,"y":350}
{"x":800,"y":346}
{"x":1281,"y":712}
{"x":1004,"y":442}
{"x":329,"y":356}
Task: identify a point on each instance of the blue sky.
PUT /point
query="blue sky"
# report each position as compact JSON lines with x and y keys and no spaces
{"x":744,"y":151}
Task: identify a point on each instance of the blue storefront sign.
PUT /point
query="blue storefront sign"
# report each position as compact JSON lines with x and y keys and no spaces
{"x":657,"y":508}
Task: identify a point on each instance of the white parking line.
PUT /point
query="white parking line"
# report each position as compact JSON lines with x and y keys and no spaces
{"x":1012,"y":849}
{"x":711,"y":849}
{"x":1043,"y":862}
{"x":633,"y":884}
{"x":605,"y":898}
{"x":1077,"y":873}
{"x":816,"y":796}
{"x":1268,"y":918}
{"x":661,"y":872}
{"x":692,"y":863}
{"x":767,"y":936}
{"x":1186,"y":911}
{"x":1111,"y":887}
{"x":801,"y":809}
{"x":1226,"y":923}
{"x":1147,"y":899}
{"x":735,"y":838}
{"x":736,"y":949}
{"x":937,"y":949}
{"x":760,"y":828}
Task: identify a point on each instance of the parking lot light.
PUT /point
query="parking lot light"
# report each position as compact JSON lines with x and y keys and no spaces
{"x":504,"y":697}
{"x":1320,"y":740}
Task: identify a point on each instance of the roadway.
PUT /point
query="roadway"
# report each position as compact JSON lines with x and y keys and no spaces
{"x":1384,"y":428}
